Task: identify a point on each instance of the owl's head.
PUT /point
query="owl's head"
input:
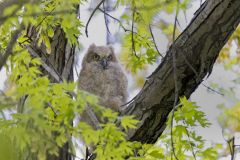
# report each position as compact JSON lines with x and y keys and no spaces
{"x":100,"y":55}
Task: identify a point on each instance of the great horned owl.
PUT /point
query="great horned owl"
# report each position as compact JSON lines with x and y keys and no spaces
{"x":103,"y":76}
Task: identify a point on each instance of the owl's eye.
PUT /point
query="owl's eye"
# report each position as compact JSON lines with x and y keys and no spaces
{"x":109,"y":57}
{"x":96,"y":57}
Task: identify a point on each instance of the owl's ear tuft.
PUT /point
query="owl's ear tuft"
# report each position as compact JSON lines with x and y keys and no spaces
{"x":92,"y":45}
{"x":114,"y":58}
{"x":91,"y":48}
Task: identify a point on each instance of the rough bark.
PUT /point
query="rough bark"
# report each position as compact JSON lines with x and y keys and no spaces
{"x":58,"y":66}
{"x":195,"y":51}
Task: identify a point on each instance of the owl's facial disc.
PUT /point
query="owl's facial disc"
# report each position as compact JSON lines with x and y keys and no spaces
{"x":104,"y":63}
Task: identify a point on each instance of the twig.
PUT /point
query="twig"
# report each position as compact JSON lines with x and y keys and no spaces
{"x":185,"y":16}
{"x":35,"y":28}
{"x":95,"y":9}
{"x":8,"y":52}
{"x":154,"y":42}
{"x":179,"y":24}
{"x":88,"y":154}
{"x":53,"y":110}
{"x":188,"y":135}
{"x":50,"y":70}
{"x":230,"y":147}
{"x":213,"y":90}
{"x":197,"y":75}
{"x":114,"y":18}
{"x":79,"y":11}
{"x":133,"y":42}
{"x":233,"y":148}
{"x":120,"y":24}
{"x":52,"y":66}
{"x":175,"y":22}
{"x":21,"y":103}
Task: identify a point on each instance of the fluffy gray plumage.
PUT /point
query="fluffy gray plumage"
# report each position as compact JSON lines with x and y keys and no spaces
{"x":103,"y":76}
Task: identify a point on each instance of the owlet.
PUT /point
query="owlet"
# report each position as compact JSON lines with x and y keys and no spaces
{"x":103,"y":76}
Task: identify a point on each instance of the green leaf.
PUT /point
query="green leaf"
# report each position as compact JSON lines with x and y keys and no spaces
{"x":128,"y":122}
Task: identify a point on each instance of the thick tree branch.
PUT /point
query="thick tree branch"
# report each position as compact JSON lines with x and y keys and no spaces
{"x":200,"y":43}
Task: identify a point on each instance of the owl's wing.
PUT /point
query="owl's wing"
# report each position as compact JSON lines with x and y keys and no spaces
{"x":83,"y":80}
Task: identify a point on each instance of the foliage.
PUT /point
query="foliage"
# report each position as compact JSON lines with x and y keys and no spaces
{"x":49,"y":109}
{"x":45,"y":120}
{"x":42,"y":112}
{"x":226,"y":55}
{"x":187,"y":144}
{"x":229,"y":57}
{"x":139,"y":49}
{"x":46,"y":16}
{"x":229,"y":117}
{"x":42,"y":123}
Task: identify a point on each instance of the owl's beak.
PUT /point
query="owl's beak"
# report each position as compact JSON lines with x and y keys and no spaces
{"x":104,"y":63}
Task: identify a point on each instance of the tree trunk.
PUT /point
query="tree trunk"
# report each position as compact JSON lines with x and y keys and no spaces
{"x":58,"y":66}
{"x":194,"y":53}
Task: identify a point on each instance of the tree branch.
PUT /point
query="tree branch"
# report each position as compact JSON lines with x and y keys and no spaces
{"x":200,"y":43}
{"x":132,"y":34}
{"x":154,"y":42}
